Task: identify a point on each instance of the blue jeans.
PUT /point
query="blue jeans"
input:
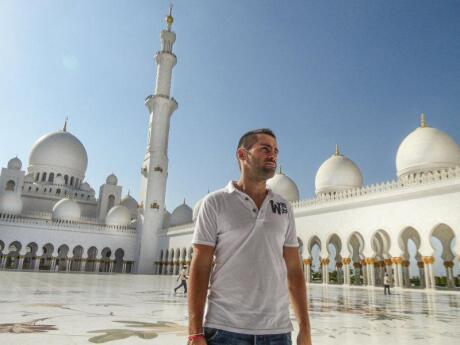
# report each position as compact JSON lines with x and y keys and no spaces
{"x":221,"y":337}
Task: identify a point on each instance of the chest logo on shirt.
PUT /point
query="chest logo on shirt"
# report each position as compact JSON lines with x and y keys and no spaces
{"x":278,"y":207}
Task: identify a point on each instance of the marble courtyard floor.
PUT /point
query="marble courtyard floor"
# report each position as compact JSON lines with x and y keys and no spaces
{"x":59,"y":308}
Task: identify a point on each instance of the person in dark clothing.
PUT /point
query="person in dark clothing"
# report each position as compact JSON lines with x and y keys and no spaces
{"x":183,"y":280}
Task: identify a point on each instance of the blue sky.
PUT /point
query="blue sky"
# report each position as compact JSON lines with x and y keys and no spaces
{"x":356,"y":73}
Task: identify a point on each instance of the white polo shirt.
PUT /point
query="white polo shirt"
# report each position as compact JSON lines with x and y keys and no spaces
{"x":248,"y":286}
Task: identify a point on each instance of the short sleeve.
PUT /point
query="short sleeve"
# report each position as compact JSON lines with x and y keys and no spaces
{"x":291,"y":235}
{"x":205,"y":231}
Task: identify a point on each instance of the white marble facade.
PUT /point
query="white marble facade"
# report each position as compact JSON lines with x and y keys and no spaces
{"x":349,"y":233}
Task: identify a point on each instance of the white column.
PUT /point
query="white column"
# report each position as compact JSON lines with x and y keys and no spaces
{"x":3,"y":262}
{"x":111,"y":266}
{"x":396,"y":265}
{"x":450,"y":273}
{"x":37,"y":263}
{"x":429,"y":277}
{"x":365,"y":274}
{"x":21,"y":262}
{"x":371,"y":271}
{"x":68,"y":264}
{"x":307,"y":270}
{"x":97,"y":265}
{"x":124,"y":267}
{"x":53,"y":264}
{"x":83,"y":265}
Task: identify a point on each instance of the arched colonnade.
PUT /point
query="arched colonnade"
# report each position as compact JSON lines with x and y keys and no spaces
{"x":409,"y":262}
{"x":62,"y":258}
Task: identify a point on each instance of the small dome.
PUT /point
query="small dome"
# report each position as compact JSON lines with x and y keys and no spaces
{"x":29,"y":178}
{"x":166,"y":219}
{"x":196,"y":209}
{"x":118,"y":216}
{"x":111,"y":179}
{"x":131,"y":204}
{"x":59,"y":179}
{"x":85,"y":187}
{"x":336,"y":174}
{"x":182,"y":214}
{"x":59,"y":150}
{"x":15,"y":163}
{"x":66,"y":209}
{"x":284,"y":186}
{"x":426,"y":149}
{"x":10,"y":203}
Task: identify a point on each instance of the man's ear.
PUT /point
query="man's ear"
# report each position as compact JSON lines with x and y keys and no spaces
{"x":241,"y":154}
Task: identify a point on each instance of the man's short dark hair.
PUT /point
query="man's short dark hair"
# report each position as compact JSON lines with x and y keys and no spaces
{"x":249,"y":138}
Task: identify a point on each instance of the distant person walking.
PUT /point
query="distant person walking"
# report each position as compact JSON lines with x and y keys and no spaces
{"x":386,"y":284}
{"x":183,"y":280}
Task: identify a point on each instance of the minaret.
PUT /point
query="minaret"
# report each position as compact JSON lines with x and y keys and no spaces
{"x":154,"y":170}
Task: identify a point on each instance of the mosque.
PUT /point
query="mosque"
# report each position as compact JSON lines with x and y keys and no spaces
{"x":52,"y":220}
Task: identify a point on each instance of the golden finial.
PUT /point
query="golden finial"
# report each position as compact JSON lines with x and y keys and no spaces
{"x":337,"y":152}
{"x":422,"y":120}
{"x":184,"y":201}
{"x":65,"y":124}
{"x":169,"y":18}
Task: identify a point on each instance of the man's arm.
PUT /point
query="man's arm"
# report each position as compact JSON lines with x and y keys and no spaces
{"x":200,"y":269}
{"x":298,"y":293}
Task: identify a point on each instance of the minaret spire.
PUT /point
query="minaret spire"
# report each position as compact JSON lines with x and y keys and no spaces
{"x":65,"y":124}
{"x":422,"y":120}
{"x":169,"y":18}
{"x":154,"y":171}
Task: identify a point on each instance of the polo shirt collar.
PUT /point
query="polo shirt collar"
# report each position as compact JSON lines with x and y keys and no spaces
{"x":230,"y":188}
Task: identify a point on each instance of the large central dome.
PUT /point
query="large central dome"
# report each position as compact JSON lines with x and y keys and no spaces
{"x":59,"y":150}
{"x":426,"y":149}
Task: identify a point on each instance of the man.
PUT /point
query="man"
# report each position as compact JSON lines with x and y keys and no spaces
{"x":183,"y":280}
{"x":251,"y":233}
{"x":386,"y":284}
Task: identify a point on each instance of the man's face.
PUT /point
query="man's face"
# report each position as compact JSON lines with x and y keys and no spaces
{"x":261,"y":158}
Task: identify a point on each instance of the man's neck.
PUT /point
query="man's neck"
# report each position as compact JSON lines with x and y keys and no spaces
{"x":256,"y":189}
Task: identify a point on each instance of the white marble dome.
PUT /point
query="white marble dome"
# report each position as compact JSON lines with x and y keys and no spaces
{"x":29,"y":178}
{"x":196,"y":209}
{"x":129,"y":202}
{"x":66,"y":209}
{"x":284,"y":186}
{"x":166,"y":219}
{"x":85,"y":187}
{"x":58,"y":150}
{"x":15,"y":163}
{"x":118,"y":216}
{"x":336,"y":174}
{"x":10,"y":203}
{"x":426,"y":149}
{"x":112,"y":179}
{"x":182,"y":214}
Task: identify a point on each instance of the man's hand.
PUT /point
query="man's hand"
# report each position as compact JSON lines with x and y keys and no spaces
{"x":304,"y":338}
{"x":297,"y":293}
{"x":200,"y":269}
{"x":198,"y":341}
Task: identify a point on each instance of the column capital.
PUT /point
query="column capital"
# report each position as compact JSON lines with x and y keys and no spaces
{"x":369,"y":261}
{"x":387,"y":262}
{"x":325,"y":261}
{"x":397,"y":260}
{"x":307,"y":261}
{"x":346,"y":261}
{"x":406,"y":263}
{"x":448,"y":264}
{"x":428,"y":260}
